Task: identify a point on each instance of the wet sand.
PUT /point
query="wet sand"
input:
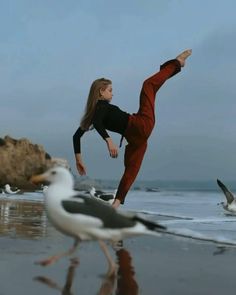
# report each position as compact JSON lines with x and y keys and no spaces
{"x":146,"y":265}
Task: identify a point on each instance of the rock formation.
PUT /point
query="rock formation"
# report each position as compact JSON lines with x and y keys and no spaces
{"x":20,"y":159}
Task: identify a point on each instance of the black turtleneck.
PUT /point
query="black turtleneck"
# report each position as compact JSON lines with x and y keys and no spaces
{"x":106,"y":117}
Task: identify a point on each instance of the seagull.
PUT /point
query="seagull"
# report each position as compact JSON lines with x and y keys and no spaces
{"x":230,"y":205}
{"x":85,"y":218}
{"x":8,"y":190}
{"x":44,"y":188}
{"x":108,"y":197}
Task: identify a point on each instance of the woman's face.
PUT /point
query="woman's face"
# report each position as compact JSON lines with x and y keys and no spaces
{"x":107,"y":93}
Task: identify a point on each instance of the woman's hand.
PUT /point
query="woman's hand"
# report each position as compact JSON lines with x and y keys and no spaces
{"x":80,"y":165}
{"x":113,"y":149}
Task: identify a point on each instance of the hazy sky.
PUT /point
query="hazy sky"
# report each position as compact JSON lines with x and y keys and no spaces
{"x":51,"y":51}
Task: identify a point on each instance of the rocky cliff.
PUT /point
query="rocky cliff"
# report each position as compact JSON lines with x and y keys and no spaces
{"x":20,"y":159}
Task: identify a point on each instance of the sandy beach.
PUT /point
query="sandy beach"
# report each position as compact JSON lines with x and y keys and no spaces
{"x":146,"y":265}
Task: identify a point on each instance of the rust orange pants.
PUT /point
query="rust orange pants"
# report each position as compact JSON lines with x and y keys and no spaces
{"x":140,"y":126}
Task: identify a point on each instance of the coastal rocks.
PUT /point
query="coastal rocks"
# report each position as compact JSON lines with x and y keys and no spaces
{"x":20,"y":159}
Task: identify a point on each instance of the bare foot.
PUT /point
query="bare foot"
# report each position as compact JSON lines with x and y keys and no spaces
{"x":45,"y":262}
{"x":116,"y":203}
{"x":183,"y":56}
{"x":48,"y":261}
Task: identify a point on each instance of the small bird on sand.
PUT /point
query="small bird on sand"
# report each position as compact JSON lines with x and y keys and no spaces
{"x":230,"y":204}
{"x":8,"y":190}
{"x":105,"y":196}
{"x":86,"y":218}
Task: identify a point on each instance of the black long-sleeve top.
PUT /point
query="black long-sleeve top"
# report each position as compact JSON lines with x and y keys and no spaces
{"x":106,"y":117}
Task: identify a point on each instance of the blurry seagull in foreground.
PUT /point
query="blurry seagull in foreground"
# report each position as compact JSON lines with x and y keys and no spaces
{"x":230,"y":204}
{"x":86,"y":218}
{"x":8,"y":189}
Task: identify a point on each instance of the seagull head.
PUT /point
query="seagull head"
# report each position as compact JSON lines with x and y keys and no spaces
{"x":59,"y":176}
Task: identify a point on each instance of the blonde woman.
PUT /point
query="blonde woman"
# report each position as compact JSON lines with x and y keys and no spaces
{"x":136,"y":128}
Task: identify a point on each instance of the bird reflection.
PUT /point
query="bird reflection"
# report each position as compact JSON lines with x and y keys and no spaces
{"x":119,"y":282}
{"x":124,"y":278}
{"x":66,"y":289}
{"x":220,"y":250}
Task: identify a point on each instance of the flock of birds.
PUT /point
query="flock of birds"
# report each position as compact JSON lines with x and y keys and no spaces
{"x":89,"y":216}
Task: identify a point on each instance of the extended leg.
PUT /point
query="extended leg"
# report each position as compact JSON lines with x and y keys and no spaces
{"x":151,"y":86}
{"x":55,"y":258}
{"x":153,"y":83}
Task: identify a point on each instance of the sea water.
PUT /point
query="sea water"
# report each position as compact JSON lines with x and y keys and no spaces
{"x":194,"y":214}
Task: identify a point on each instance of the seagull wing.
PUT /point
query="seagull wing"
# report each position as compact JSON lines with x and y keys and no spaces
{"x":229,"y":196}
{"x":106,"y":197}
{"x":92,"y":207}
{"x":149,"y":224}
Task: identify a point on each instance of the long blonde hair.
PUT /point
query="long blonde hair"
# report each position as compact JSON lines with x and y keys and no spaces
{"x":94,"y":95}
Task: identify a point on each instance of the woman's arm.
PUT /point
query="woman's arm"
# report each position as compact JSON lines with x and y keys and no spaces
{"x":80,"y":165}
{"x":112,"y":148}
{"x":77,"y":150}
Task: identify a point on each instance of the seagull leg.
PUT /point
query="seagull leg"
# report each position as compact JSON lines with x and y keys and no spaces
{"x":108,"y":283}
{"x":50,"y":283}
{"x":70,"y":276}
{"x":69,"y":279}
{"x":55,"y":258}
{"x":112,"y":267}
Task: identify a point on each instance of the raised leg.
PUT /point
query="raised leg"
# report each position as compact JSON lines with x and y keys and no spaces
{"x":152,"y":84}
{"x":55,"y":258}
{"x":183,"y":56}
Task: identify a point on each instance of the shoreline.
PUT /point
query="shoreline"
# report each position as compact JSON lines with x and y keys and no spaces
{"x":150,"y":265}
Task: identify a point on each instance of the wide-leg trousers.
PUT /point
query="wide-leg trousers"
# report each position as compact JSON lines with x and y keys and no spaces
{"x":141,"y":124}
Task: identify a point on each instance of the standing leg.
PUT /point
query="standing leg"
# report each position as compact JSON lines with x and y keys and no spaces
{"x":133,"y":159}
{"x":111,"y":264}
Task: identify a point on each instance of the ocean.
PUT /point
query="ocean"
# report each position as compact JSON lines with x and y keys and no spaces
{"x":197,"y":254}
{"x":194,"y":214}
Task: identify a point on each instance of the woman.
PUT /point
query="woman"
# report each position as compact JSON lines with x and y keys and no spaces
{"x":136,"y":128}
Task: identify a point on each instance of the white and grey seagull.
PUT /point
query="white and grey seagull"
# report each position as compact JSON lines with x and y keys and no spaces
{"x":86,"y":218}
{"x":8,"y":189}
{"x":104,"y":196}
{"x":230,"y":204}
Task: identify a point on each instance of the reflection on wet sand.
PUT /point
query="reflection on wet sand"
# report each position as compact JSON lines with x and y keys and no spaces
{"x":124,"y":278}
{"x":21,"y":218}
{"x":122,"y":282}
{"x":66,"y":289}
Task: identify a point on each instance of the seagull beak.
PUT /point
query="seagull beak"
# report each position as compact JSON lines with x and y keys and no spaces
{"x":36,"y":179}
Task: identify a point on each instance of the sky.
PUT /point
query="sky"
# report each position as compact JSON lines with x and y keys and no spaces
{"x":52,"y":50}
